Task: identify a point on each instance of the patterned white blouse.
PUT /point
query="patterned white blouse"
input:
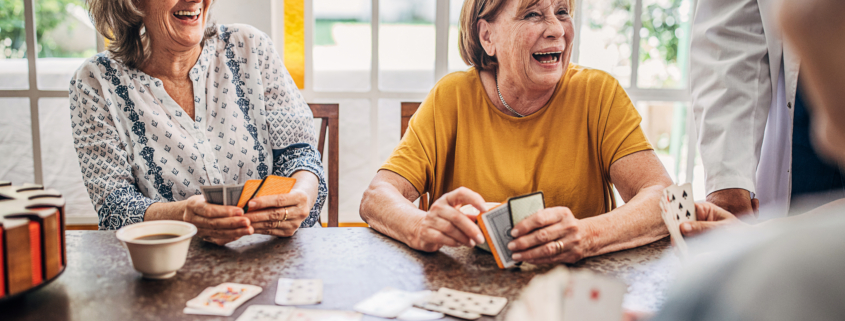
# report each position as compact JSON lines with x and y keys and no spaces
{"x":136,"y":146}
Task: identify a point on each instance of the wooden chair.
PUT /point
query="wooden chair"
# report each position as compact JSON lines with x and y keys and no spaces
{"x":328,"y":113}
{"x":408,"y":110}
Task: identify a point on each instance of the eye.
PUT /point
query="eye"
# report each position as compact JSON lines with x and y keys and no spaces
{"x":531,"y":15}
{"x":562,"y":12}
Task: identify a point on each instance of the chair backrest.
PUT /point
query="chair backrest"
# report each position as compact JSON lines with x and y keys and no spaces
{"x":408,"y":110}
{"x":328,"y":113}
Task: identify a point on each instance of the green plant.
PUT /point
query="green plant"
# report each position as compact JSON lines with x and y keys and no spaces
{"x":49,"y":14}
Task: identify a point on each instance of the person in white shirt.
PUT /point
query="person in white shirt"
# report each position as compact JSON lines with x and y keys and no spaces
{"x":751,"y":114}
{"x":174,"y":105}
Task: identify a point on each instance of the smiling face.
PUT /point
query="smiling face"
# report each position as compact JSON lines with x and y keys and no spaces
{"x":532,"y":45}
{"x":175,"y":24}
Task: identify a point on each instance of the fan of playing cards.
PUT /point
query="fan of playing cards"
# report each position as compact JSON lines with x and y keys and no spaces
{"x":240,"y":195}
{"x":677,"y":206}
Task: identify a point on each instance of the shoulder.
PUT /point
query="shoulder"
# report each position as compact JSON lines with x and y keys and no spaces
{"x":240,"y":32}
{"x":94,"y":70}
{"x":578,"y":75}
{"x":456,"y":85}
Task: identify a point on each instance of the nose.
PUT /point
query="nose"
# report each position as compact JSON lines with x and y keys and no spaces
{"x":554,"y":28}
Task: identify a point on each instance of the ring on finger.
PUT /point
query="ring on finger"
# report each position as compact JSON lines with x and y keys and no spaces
{"x":286,"y":215}
{"x":275,"y":224}
{"x":559,"y":246}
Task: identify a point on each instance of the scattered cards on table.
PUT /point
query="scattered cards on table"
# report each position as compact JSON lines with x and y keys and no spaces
{"x":677,"y":206}
{"x":299,"y":291}
{"x":569,"y":296}
{"x":222,"y":299}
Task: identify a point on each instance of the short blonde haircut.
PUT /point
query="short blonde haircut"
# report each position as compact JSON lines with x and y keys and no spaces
{"x":469,"y":42}
{"x":122,"y":23}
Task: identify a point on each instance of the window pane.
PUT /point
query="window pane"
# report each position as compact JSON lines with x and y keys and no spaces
{"x":342,"y":45}
{"x":406,"y":45}
{"x":606,"y":36}
{"x":16,"y":141}
{"x":65,"y":37}
{"x":454,"y":54}
{"x":664,"y":43}
{"x":58,"y":156}
{"x":14,"y":71}
{"x":664,"y":123}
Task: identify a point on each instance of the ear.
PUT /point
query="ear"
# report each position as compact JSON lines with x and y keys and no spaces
{"x":485,"y":35}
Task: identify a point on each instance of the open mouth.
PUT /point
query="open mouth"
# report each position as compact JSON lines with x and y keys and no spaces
{"x":547,"y":57}
{"x":188,"y":15}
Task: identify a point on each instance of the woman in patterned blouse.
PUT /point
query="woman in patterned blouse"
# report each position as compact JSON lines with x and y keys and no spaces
{"x":173,"y":105}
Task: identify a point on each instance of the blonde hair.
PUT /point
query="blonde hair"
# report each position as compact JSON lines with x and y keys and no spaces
{"x":122,"y":23}
{"x":469,"y":42}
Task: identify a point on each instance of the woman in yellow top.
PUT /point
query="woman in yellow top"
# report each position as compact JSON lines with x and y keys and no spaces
{"x":522,"y":120}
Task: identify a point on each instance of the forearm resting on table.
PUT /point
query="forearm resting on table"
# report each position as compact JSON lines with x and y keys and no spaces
{"x":634,"y":224}
{"x":387,"y":210}
{"x":166,"y":211}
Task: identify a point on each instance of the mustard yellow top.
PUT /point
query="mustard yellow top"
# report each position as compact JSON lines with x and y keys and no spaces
{"x":459,"y":138}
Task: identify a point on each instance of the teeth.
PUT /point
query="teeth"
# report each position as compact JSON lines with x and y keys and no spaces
{"x":547,"y":53}
{"x":188,"y":13}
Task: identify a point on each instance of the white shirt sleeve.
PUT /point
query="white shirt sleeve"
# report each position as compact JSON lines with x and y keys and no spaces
{"x":731,"y":90}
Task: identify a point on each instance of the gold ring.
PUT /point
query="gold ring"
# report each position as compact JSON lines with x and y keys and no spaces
{"x":559,"y":246}
{"x":286,"y":215}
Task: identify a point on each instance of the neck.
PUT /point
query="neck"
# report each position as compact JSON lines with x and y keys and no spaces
{"x":521,"y":98}
{"x":170,"y":63}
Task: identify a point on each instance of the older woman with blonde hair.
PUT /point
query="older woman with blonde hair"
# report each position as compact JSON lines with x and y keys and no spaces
{"x":174,"y":105}
{"x":522,"y":119}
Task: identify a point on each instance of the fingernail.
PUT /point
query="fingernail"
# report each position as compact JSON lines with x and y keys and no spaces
{"x":471,"y":243}
{"x":251,"y":230}
{"x":251,"y":204}
{"x":686,"y":227}
{"x":480,"y":238}
{"x":517,"y":257}
{"x":511,"y":246}
{"x":514,"y":232}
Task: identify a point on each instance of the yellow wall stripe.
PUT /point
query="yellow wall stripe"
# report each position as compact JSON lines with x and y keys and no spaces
{"x":295,"y":40}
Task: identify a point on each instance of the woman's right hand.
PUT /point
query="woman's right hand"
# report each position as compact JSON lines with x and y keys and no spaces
{"x":444,"y":224}
{"x":708,"y":216}
{"x":217,"y":224}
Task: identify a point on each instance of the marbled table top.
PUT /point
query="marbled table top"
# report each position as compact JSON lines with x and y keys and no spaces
{"x":100,"y":283}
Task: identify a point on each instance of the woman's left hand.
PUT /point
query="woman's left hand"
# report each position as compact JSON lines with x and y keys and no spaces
{"x":279,"y":215}
{"x":552,"y":235}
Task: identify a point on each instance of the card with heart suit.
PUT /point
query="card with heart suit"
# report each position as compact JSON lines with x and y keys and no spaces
{"x":266,"y":313}
{"x":472,"y":302}
{"x":223,"y":299}
{"x":324,"y":315}
{"x":299,"y":291}
{"x":390,"y":302}
{"x":590,"y":296}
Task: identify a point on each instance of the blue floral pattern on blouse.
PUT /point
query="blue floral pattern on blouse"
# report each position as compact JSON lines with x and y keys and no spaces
{"x":136,"y":145}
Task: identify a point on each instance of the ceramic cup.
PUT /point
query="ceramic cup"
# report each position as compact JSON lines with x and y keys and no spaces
{"x":157,"y":248}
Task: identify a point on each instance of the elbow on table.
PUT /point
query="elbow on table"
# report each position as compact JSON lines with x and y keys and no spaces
{"x":367,"y":202}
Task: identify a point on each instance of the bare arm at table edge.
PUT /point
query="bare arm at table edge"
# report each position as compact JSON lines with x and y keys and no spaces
{"x":640,"y":179}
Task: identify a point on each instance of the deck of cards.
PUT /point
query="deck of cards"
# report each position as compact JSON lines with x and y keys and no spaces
{"x":569,"y":296}
{"x":240,"y":195}
{"x":677,"y":206}
{"x":497,"y":223}
{"x":221,"y":300}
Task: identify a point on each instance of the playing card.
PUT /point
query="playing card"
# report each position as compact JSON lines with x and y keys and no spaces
{"x":390,"y":302}
{"x":522,"y":207}
{"x":324,"y":315}
{"x":677,"y":206}
{"x":417,"y":314}
{"x":213,"y":194}
{"x":299,"y":291}
{"x":224,"y":298}
{"x":465,"y":301}
{"x":233,"y":194}
{"x":463,"y":314}
{"x":590,"y":296}
{"x":496,"y":226}
{"x":266,"y":313}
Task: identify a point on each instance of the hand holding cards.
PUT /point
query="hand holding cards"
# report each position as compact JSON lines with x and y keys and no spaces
{"x":677,"y":206}
{"x":497,"y":223}
{"x":240,"y":195}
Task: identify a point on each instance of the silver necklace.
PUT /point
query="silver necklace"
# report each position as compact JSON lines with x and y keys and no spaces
{"x":503,"y":98}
